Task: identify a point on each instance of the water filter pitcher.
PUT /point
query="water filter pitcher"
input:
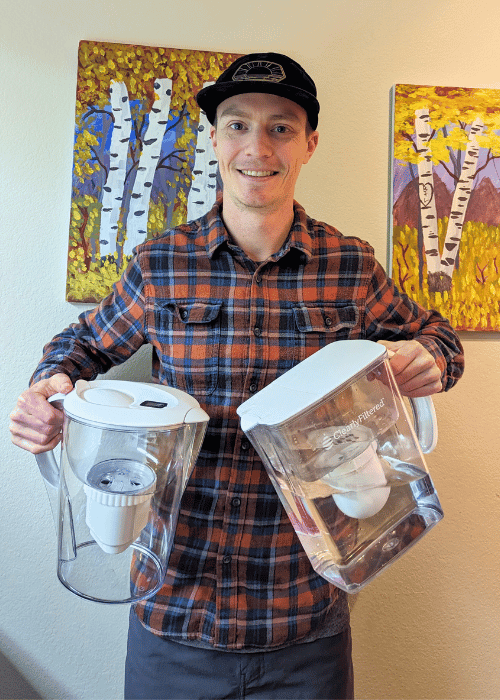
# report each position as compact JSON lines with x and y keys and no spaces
{"x":347,"y":459}
{"x":127,"y":452}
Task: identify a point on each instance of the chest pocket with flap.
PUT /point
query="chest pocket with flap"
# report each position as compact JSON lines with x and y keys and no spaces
{"x":320,"y":324}
{"x":188,"y":339}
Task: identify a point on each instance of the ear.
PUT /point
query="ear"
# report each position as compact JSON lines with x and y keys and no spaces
{"x":312,"y":142}
{"x":213,"y":137}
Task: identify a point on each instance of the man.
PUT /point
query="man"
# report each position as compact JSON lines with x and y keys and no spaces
{"x":230,"y":302}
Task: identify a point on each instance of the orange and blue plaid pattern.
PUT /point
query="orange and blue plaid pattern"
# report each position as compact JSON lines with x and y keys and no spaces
{"x":222,"y":327}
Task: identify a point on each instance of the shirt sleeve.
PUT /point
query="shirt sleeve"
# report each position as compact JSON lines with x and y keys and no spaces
{"x":105,"y":336}
{"x":391,"y":315}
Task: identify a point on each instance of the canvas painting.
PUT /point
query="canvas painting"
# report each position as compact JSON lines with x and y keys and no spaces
{"x":143,"y":161}
{"x":446,"y":201}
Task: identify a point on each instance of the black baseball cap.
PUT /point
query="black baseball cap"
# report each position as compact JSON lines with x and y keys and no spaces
{"x":272,"y":73}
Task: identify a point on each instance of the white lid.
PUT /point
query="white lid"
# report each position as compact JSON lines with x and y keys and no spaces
{"x":121,"y":404}
{"x":308,"y":382}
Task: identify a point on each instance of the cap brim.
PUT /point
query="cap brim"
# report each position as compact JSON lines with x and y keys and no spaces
{"x":210,"y":97}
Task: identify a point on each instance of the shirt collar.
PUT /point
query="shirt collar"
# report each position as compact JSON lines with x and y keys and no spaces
{"x":301,"y":233}
{"x":215,"y":230}
{"x":300,"y":237}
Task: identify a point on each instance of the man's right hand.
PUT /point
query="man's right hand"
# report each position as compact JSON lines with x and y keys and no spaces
{"x":35,"y":423}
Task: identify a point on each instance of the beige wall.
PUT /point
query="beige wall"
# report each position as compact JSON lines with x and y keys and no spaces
{"x":428,"y":628}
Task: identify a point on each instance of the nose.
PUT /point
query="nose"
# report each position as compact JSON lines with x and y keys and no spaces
{"x":258,"y":144}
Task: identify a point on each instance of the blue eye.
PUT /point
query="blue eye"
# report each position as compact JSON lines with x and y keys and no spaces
{"x":237,"y":126}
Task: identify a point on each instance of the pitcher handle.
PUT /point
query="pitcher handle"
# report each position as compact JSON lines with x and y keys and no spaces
{"x":50,"y":472}
{"x":49,"y":467}
{"x":47,"y":463}
{"x":424,"y":418}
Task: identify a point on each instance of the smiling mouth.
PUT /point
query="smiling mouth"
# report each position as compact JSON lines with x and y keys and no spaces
{"x":259,"y":173}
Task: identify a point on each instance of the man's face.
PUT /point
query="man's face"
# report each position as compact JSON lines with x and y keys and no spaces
{"x":261,"y":144}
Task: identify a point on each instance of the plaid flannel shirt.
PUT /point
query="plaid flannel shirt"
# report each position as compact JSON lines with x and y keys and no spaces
{"x":222,"y":327}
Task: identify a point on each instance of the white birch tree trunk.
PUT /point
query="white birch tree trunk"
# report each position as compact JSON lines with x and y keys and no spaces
{"x":115,"y":182}
{"x":461,"y":198}
{"x":203,"y":189}
{"x":137,"y":219}
{"x":427,"y":199}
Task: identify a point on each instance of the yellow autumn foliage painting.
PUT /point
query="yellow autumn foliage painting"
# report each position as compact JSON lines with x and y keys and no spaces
{"x":446,"y":201}
{"x":142,"y":158}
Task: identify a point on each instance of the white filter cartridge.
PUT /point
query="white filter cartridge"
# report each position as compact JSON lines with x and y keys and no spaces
{"x":118,"y":501}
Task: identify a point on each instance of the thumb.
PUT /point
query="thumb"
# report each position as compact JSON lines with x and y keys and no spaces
{"x":392,"y":346}
{"x":57,"y":384}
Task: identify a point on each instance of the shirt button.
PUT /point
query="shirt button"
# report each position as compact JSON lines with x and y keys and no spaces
{"x":258,"y":279}
{"x":226,"y":559}
{"x":245,"y":445}
{"x":184,"y":314}
{"x":236,"y":502}
{"x":257,"y":331}
{"x":253,"y":388}
{"x":328,"y":321}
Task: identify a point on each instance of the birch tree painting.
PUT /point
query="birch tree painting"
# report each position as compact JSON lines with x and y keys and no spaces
{"x":143,"y":161}
{"x":446,"y":201}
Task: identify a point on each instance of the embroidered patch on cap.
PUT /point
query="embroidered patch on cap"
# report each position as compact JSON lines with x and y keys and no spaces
{"x":260,"y":70}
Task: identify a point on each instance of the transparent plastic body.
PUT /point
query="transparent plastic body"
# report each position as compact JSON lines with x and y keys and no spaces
{"x":352,"y":477}
{"x":118,"y":500}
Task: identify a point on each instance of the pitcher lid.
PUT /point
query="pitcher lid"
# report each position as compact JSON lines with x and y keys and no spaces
{"x":322,"y":373}
{"x":123,"y":404}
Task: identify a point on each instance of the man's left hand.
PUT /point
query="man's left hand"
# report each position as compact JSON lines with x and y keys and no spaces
{"x":414,"y":368}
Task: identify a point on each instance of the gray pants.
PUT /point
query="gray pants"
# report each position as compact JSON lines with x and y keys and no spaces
{"x":159,"y":669}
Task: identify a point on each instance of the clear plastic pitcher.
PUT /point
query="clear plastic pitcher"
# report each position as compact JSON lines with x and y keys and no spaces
{"x":341,"y":450}
{"x":128,"y":450}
